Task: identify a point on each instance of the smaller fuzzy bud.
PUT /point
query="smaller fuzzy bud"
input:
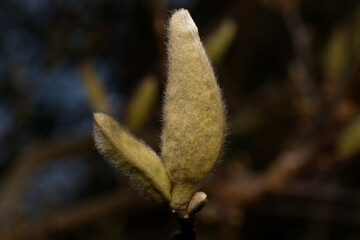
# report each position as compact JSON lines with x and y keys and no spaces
{"x":127,"y":154}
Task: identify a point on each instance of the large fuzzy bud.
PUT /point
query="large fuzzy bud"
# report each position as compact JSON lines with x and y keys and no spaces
{"x":194,"y":118}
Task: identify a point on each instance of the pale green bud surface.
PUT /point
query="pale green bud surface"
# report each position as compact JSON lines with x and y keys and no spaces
{"x":194,"y":118}
{"x":129,"y":155}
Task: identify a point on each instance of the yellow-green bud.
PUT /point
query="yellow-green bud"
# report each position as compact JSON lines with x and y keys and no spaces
{"x":132,"y":157}
{"x":96,"y":92}
{"x":141,"y":104}
{"x":218,"y":43}
{"x":349,"y":141}
{"x":194,"y":118}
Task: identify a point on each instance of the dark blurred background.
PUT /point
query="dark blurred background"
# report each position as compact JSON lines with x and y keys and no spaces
{"x":289,"y":70}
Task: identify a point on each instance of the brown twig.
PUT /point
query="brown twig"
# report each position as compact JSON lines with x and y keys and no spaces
{"x":318,"y":202}
{"x":301,"y":70}
{"x":187,"y":229}
{"x":251,"y":187}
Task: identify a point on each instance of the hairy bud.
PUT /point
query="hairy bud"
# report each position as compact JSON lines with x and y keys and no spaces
{"x":194,"y":118}
{"x":132,"y":157}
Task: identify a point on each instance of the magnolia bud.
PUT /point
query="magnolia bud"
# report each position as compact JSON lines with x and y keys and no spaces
{"x":194,"y":118}
{"x":142,"y":165}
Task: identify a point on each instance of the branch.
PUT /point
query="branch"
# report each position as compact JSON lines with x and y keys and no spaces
{"x":187,"y":229}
